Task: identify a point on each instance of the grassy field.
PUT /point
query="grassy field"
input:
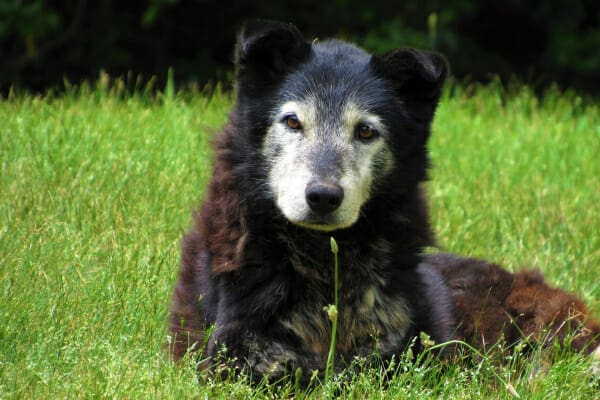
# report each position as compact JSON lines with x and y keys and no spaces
{"x":96,"y":189}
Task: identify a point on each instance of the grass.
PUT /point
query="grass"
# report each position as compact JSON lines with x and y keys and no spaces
{"x":96,"y":188}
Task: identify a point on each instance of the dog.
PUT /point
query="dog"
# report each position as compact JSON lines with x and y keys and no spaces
{"x":326,"y":140}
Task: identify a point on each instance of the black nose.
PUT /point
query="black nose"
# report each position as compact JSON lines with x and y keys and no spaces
{"x":324,"y":198}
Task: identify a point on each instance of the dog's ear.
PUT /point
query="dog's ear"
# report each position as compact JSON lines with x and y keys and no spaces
{"x":417,"y":77}
{"x":266,"y":50}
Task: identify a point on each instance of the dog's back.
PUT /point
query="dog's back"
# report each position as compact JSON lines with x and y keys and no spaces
{"x":495,"y":306}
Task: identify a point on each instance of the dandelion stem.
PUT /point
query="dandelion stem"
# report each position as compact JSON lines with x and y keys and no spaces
{"x":332,"y":312}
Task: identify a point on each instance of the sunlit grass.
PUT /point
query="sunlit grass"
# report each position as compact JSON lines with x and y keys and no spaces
{"x":96,"y":189}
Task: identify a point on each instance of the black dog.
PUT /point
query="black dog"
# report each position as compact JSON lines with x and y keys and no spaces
{"x":324,"y":140}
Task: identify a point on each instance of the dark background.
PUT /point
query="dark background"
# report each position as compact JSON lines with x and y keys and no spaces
{"x":44,"y":42}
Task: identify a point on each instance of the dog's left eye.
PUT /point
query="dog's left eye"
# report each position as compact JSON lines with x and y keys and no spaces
{"x":366,"y":132}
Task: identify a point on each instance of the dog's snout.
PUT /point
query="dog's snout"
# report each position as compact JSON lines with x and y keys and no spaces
{"x":324,"y":198}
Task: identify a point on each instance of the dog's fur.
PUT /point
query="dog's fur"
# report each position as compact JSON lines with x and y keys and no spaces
{"x":327,"y":140}
{"x":494,"y":306}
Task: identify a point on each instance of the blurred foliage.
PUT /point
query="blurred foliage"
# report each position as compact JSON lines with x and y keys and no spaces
{"x":27,"y":19}
{"x":44,"y":42}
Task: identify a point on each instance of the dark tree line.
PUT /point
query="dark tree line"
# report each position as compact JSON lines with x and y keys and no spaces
{"x":43,"y":42}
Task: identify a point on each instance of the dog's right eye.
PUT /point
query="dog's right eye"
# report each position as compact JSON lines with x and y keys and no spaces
{"x":292,"y":122}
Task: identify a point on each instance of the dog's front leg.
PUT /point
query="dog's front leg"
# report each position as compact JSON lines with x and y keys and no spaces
{"x":260,"y":355}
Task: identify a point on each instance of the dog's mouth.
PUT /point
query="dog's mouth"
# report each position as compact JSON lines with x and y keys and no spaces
{"x":317,"y":222}
{"x":318,"y":226}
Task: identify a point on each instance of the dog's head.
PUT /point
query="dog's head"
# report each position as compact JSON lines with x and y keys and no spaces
{"x":334,"y":126}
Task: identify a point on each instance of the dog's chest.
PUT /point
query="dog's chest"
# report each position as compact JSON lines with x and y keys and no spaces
{"x":370,"y":317}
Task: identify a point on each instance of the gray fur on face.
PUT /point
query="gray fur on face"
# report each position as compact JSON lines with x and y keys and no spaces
{"x":327,"y":150}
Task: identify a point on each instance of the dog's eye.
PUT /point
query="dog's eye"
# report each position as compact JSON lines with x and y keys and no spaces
{"x":365,"y":132}
{"x":292,"y":122}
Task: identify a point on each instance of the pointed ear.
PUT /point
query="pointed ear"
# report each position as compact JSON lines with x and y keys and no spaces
{"x":417,"y":77}
{"x":266,"y":50}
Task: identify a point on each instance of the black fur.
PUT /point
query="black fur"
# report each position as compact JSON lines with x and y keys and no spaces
{"x":263,"y":282}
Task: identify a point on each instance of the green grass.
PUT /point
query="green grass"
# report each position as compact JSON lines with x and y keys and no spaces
{"x":96,"y":189}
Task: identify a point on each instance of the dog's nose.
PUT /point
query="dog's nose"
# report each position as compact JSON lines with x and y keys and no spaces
{"x":324,"y":198}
